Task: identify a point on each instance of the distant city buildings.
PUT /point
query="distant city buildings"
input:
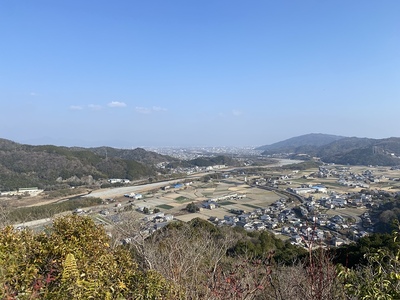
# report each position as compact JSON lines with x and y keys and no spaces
{"x":195,"y":152}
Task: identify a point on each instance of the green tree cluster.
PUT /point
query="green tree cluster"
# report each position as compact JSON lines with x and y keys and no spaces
{"x":192,"y":208}
{"x":73,"y":260}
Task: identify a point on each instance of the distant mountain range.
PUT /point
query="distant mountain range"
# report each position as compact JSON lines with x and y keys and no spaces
{"x":340,"y":150}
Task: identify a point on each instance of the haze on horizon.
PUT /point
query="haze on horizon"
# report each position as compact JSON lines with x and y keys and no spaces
{"x":197,"y":73}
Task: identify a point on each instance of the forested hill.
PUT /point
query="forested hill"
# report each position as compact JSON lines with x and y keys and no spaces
{"x":206,"y":162}
{"x":341,"y":150}
{"x":362,"y":151}
{"x":138,"y":154}
{"x":42,"y":166}
{"x":311,"y":140}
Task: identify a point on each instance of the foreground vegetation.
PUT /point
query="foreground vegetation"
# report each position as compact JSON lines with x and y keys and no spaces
{"x":75,"y":258}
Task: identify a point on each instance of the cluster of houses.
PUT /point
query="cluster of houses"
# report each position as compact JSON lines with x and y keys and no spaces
{"x":157,"y":220}
{"x":213,"y":202}
{"x":152,"y":223}
{"x":259,"y":219}
{"x":348,"y":178}
{"x":282,"y":218}
{"x":308,"y":223}
{"x":326,"y":172}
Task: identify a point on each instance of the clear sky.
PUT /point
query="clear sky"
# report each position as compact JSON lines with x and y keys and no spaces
{"x":133,"y":73}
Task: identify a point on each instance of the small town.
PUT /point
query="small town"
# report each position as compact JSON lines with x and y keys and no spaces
{"x":331,"y":210}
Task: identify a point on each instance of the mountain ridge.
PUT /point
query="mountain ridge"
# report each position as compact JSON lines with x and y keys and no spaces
{"x":311,"y":139}
{"x":341,"y":150}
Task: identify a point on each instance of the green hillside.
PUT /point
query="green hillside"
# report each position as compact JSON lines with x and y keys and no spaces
{"x":43,"y":166}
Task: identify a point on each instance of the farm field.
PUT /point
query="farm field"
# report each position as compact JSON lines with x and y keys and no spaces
{"x":174,"y":201}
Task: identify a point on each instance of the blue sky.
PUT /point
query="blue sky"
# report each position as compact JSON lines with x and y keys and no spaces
{"x":197,"y":73}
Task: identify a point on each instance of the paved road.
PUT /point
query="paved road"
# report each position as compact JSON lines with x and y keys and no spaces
{"x":120,"y":191}
{"x":33,"y":223}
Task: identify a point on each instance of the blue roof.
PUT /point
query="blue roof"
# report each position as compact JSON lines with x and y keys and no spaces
{"x":318,"y":187}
